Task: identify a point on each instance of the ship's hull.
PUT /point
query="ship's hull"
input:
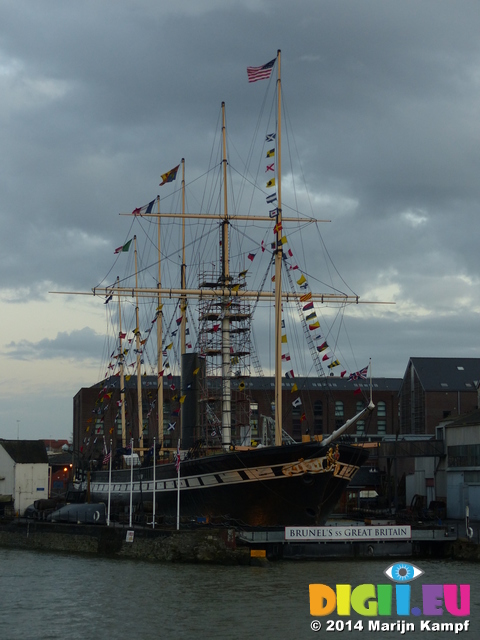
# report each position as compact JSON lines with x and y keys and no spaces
{"x":298,"y":484}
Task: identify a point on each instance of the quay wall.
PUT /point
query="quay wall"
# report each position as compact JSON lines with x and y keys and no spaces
{"x":209,"y":545}
{"x":196,"y":546}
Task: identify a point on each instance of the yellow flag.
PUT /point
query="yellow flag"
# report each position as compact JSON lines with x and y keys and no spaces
{"x":195,"y":371}
{"x":302,"y":279}
{"x":271,"y":183}
{"x":294,"y":388}
{"x":284,"y":339}
{"x":169,"y":346}
{"x":182,"y":399}
{"x":127,"y":378}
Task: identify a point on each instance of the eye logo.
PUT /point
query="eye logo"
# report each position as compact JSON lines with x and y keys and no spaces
{"x":403,"y":572}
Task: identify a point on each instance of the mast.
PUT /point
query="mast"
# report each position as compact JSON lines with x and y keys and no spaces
{"x":278,"y":270}
{"x":159,"y":316}
{"x":183,"y":299}
{"x":226,"y":385}
{"x":139,"y":363}
{"x":122,"y":370}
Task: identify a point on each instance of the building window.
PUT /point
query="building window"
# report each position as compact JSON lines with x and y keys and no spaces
{"x":360,"y":406}
{"x":254,"y":418}
{"x":381,"y":409}
{"x":317,"y":417}
{"x":381,"y":427}
{"x":360,"y":426}
{"x":338,"y":409}
{"x":296,"y":429}
{"x":98,"y":427}
{"x":464,"y":455}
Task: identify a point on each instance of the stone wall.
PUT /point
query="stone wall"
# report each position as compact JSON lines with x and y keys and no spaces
{"x":210,"y":546}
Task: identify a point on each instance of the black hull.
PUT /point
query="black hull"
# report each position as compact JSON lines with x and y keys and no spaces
{"x":291,"y":485}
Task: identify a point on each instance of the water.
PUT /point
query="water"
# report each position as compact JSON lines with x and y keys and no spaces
{"x":49,"y":596}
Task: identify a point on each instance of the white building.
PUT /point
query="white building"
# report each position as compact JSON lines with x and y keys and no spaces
{"x":23,"y":472}
{"x":461,"y":466}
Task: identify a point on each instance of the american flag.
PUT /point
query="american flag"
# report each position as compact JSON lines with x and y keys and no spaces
{"x":107,"y":457}
{"x":260,"y":73}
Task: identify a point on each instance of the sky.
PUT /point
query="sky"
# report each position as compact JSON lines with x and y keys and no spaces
{"x":99,"y":98}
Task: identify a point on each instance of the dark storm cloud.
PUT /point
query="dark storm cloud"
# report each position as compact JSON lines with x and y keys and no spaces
{"x":81,"y":345}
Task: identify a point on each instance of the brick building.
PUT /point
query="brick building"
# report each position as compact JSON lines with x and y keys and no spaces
{"x":326,"y":403}
{"x":436,"y":389}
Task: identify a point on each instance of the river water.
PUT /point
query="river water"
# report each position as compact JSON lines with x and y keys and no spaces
{"x":60,"y":596}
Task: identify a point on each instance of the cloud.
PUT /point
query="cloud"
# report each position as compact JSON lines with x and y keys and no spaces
{"x":82,"y":345}
{"x":381,"y":112}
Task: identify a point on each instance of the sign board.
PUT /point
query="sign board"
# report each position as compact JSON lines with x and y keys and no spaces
{"x":350,"y":533}
{"x":130,"y":535}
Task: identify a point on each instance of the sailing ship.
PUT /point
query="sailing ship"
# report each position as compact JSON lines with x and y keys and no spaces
{"x":219,"y":469}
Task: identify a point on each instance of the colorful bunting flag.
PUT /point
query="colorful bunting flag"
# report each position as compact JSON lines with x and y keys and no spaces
{"x":270,"y":183}
{"x":124,"y":247}
{"x":333,"y":364}
{"x":147,"y":208}
{"x":169,"y":176}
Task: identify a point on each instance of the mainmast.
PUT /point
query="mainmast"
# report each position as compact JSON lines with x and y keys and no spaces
{"x":278,"y":270}
{"x":226,"y":384}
